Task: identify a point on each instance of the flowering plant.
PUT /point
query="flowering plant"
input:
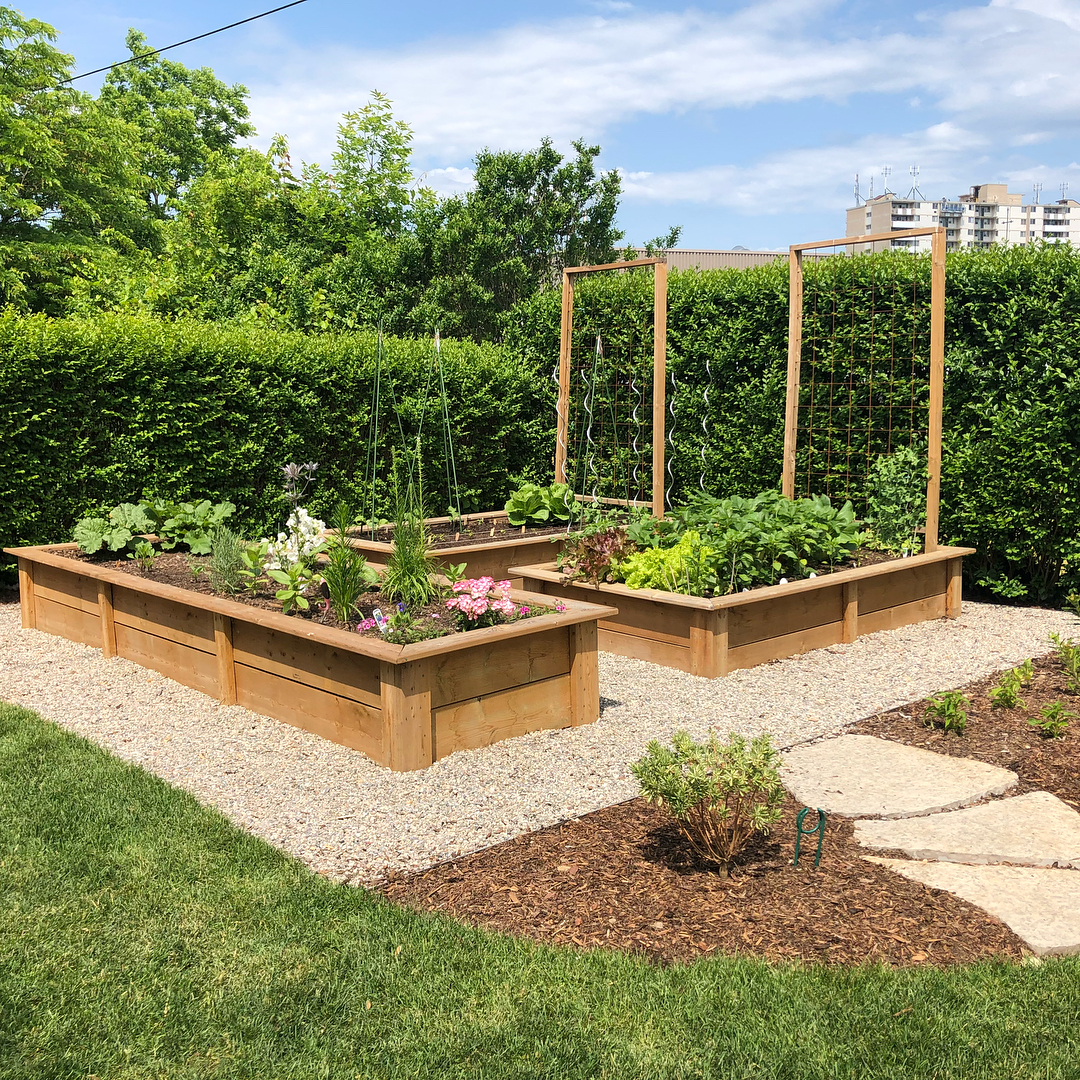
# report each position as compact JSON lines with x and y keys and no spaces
{"x":299,"y":544}
{"x":482,"y":602}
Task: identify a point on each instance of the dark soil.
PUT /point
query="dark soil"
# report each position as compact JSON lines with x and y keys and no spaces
{"x":625,"y":878}
{"x":1001,"y":736}
{"x":474,"y":531}
{"x":174,"y":568}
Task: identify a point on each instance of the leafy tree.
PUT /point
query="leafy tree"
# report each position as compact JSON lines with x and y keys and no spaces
{"x":184,"y":117}
{"x":66,"y":165}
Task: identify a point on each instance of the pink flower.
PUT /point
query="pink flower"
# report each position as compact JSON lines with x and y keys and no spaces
{"x":559,"y":607}
{"x":367,"y":624}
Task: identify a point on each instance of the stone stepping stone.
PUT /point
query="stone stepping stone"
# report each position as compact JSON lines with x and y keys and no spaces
{"x":1036,"y":829}
{"x":862,"y":776}
{"x":1039,"y":905}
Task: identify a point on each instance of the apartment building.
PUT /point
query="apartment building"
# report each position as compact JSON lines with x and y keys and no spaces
{"x":988,"y":214}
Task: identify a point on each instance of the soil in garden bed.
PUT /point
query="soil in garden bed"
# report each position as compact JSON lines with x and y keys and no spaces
{"x":179,"y":569}
{"x":1001,"y":736}
{"x":624,"y":878}
{"x":475,"y":531}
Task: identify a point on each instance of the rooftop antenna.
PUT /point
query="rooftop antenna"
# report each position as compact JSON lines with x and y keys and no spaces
{"x":858,"y":194}
{"x":1064,"y":189}
{"x":870,"y":197}
{"x":1037,"y":188}
{"x":915,"y":193}
{"x":886,"y":172}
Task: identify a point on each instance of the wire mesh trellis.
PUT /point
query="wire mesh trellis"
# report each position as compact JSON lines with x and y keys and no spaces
{"x":865,"y":366}
{"x":611,"y":429}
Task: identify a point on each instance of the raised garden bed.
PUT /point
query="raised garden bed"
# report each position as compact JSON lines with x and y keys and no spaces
{"x":484,"y":554}
{"x":713,"y":636}
{"x":404,"y":706}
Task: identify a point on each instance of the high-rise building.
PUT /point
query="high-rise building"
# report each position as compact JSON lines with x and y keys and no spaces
{"x":988,"y":214}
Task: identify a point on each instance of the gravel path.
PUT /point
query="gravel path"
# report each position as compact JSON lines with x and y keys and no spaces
{"x":355,"y":821}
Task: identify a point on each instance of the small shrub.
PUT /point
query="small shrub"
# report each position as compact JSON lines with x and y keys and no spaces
{"x":949,"y":710}
{"x":1053,"y":720}
{"x":720,"y":794}
{"x":1006,"y":695}
{"x":1069,"y":654}
{"x":226,"y":561}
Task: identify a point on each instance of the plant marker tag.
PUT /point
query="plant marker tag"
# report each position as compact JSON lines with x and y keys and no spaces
{"x":380,"y":620}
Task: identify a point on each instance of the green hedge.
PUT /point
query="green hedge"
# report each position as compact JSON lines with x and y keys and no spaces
{"x":95,"y":411}
{"x":98,"y":411}
{"x":1011,"y":447}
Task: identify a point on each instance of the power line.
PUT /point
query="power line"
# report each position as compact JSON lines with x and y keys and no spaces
{"x":186,"y":41}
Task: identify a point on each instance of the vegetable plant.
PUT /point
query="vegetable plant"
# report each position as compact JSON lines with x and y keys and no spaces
{"x":949,"y":710}
{"x":189,"y":523}
{"x":1053,"y":720}
{"x":145,"y":555}
{"x":896,"y":498}
{"x":1006,"y":695}
{"x":117,"y":532}
{"x":720,"y":794}
{"x":533,"y":504}
{"x":593,"y":556}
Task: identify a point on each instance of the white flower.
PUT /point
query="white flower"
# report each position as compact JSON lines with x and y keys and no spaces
{"x":303,"y":538}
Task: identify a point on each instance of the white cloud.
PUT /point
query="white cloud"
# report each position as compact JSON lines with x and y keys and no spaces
{"x":1006,"y":69}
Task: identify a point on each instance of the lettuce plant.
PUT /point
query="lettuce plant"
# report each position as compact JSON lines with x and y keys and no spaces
{"x":533,"y":504}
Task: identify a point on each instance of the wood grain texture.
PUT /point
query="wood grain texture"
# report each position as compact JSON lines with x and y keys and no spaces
{"x":655,"y":652}
{"x":483,"y":721}
{"x":108,"y":623}
{"x":915,"y":583}
{"x":937,"y":387}
{"x":709,"y":637}
{"x":794,"y":370}
{"x":27,"y":606}
{"x":407,"y":725}
{"x":786,"y":613}
{"x":954,"y":588}
{"x":895,"y":616}
{"x":782,"y":645}
{"x":341,"y":720}
{"x":185,"y":623}
{"x":70,"y":588}
{"x":68,"y":622}
{"x":226,"y":667}
{"x":182,"y":664}
{"x":851,"y":611}
{"x":562,"y":405}
{"x":584,"y":674}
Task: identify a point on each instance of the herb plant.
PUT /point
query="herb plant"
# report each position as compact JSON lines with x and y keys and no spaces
{"x":720,"y":794}
{"x":1053,"y":720}
{"x":949,"y":710}
{"x":226,"y":561}
{"x":896,"y":498}
{"x":346,"y":573}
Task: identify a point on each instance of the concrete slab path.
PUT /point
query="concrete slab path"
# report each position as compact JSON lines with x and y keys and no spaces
{"x":1039,"y":905}
{"x":862,"y":776}
{"x":1036,"y":829}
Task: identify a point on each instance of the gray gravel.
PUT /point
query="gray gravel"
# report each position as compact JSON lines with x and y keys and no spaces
{"x":356,"y":821}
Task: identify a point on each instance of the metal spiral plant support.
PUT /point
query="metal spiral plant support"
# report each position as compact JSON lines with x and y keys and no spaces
{"x":637,"y":425}
{"x":705,"y":426}
{"x":452,"y":492}
{"x":590,"y":395}
{"x":671,"y":443}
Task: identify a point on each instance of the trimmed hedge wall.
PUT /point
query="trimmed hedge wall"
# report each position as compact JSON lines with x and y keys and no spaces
{"x":94,"y":412}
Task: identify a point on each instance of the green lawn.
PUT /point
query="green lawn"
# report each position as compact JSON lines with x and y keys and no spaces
{"x":143,"y":936}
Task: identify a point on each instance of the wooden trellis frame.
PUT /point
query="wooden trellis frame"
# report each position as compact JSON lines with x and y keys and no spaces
{"x":937,"y":360}
{"x":566,"y":329}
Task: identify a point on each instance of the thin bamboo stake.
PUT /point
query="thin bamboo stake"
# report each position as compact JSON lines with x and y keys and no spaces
{"x":937,"y":386}
{"x":659,"y":384}
{"x":791,"y":409}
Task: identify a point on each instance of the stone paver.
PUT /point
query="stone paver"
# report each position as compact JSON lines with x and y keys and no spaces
{"x":1039,"y":905}
{"x":1036,"y":829}
{"x":862,"y":776}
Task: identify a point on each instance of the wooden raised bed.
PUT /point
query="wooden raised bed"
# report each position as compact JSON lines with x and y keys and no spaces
{"x":483,"y":558}
{"x":712,"y":637}
{"x":404,"y":706}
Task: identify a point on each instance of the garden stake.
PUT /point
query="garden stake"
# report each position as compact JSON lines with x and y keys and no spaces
{"x":800,"y":832}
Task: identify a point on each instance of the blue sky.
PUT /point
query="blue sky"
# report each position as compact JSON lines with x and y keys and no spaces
{"x":743,"y":122}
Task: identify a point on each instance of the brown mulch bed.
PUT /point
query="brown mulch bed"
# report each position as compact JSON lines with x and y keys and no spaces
{"x":176,"y":568}
{"x":1001,"y":736}
{"x":468,"y":531}
{"x":624,"y":877}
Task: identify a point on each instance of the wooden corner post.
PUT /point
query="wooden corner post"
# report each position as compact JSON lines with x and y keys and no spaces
{"x":659,"y":385}
{"x":406,"y":713}
{"x":794,"y":370}
{"x":584,"y":674}
{"x":27,"y":601}
{"x":562,"y":406}
{"x":937,"y":386}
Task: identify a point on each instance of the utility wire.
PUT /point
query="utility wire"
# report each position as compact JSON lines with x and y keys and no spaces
{"x":186,"y":41}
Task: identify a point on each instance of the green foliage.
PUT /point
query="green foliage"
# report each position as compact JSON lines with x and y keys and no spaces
{"x":226,"y":560}
{"x":294,"y":581}
{"x":949,"y":710}
{"x":896,"y":498}
{"x":689,"y":567}
{"x":409,"y":568}
{"x":97,"y":412}
{"x":1053,"y":720}
{"x":345,"y":573}
{"x":1006,"y":695}
{"x":593,"y":554}
{"x":253,"y":565}
{"x":124,"y":523}
{"x":145,"y":555}
{"x":190,"y":523}
{"x":720,"y":794}
{"x":1068,"y":652}
{"x":535,"y":504}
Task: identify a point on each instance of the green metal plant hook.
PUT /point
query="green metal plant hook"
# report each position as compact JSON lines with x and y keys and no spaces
{"x":818,"y":830}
